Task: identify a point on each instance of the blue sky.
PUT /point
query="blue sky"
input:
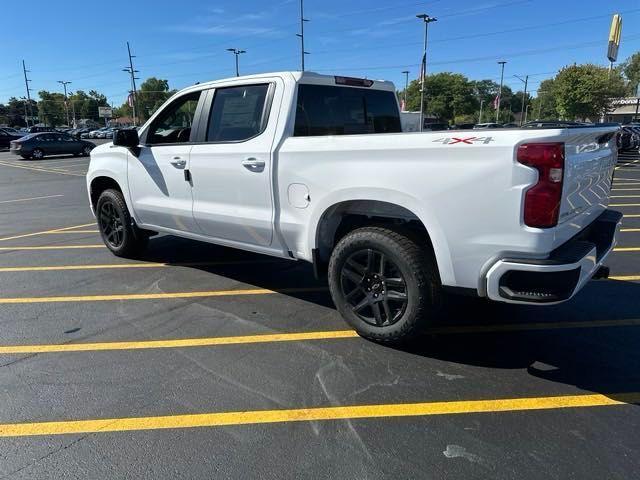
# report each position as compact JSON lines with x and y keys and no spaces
{"x":184,"y":42}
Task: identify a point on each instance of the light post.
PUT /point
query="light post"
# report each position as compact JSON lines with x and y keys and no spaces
{"x":303,"y":52}
{"x":237,"y":54}
{"x":66,"y":101}
{"x":480,"y":116}
{"x":500,"y":91}
{"x":423,"y":69}
{"x":406,"y":87}
{"x":26,"y":115}
{"x":524,"y":95}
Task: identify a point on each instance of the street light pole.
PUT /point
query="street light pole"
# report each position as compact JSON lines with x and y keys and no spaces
{"x":406,"y":87}
{"x":500,"y":91}
{"x":524,"y":95}
{"x":427,"y":20}
{"x":237,"y":54}
{"x":66,"y":100}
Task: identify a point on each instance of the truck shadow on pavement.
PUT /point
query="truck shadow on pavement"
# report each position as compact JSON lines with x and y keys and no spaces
{"x":598,"y":353}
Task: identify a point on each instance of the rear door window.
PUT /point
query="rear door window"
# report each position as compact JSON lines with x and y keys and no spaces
{"x":238,"y":113}
{"x":329,"y":110}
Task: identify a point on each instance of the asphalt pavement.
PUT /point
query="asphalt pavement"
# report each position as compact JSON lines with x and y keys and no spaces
{"x":205,"y":362}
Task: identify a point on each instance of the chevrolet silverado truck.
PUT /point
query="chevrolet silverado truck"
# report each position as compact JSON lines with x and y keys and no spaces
{"x":315,"y":168}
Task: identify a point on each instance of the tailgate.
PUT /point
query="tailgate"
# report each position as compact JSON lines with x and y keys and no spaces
{"x":590,"y":159}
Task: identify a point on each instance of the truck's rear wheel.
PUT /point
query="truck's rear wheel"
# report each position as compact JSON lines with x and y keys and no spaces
{"x":383,"y":283}
{"x":118,"y":232}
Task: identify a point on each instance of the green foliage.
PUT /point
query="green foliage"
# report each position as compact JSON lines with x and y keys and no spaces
{"x":585,"y":91}
{"x":51,"y":108}
{"x":447,"y":95}
{"x":631,"y":70}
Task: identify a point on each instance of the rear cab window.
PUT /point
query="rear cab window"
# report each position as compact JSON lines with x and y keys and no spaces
{"x":338,"y":110}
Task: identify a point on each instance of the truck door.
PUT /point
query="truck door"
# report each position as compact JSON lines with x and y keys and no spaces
{"x":231,"y":169}
{"x":160,"y":193}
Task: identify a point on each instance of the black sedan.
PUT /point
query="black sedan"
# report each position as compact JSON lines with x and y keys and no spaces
{"x":39,"y":145}
{"x":7,"y":136}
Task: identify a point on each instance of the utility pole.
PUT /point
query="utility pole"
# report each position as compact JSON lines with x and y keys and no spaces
{"x":131,"y":71}
{"x":66,"y":100}
{"x":500,"y":91}
{"x":481,"y":105}
{"x":26,"y":84}
{"x":423,"y":69}
{"x":303,"y":52}
{"x":524,"y":95}
{"x":237,"y":54}
{"x":406,"y":87}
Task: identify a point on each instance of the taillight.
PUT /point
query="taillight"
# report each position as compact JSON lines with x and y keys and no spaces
{"x":542,"y":201}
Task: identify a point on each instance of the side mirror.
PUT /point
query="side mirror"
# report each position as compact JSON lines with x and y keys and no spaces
{"x":126,"y":138}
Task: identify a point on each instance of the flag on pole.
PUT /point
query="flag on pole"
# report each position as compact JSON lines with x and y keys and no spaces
{"x":423,"y":67}
{"x":496,"y":102}
{"x":403,"y":107}
{"x":130,"y":100}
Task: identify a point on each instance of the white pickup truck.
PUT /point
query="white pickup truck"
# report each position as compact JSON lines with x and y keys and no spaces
{"x":315,"y":168}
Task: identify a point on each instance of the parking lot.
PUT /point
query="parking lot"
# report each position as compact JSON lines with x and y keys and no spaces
{"x":204,"y":362}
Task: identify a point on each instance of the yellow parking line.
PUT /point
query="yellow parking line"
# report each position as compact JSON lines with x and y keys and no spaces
{"x":30,"y":198}
{"x":179,"y":343}
{"x":626,"y":278}
{"x":38,"y":169}
{"x":631,"y":216}
{"x":155,"y":296}
{"x":627,"y":249}
{"x":315,"y":414}
{"x":300,"y":336}
{"x":625,"y":189}
{"x":71,"y":231}
{"x":110,"y":266}
{"x":625,"y":196}
{"x":630,"y":230}
{"x":54,"y":247}
{"x":625,"y":205}
{"x":34,"y":234}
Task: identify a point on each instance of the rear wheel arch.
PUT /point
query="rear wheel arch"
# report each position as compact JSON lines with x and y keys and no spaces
{"x":344,"y":217}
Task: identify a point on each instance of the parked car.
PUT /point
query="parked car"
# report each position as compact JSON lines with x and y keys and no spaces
{"x":435,"y":126}
{"x":463,"y":126}
{"x":35,"y":129}
{"x":378,"y":211}
{"x":627,"y":139}
{"x":484,"y":126}
{"x":6,"y":137}
{"x":39,"y":145}
{"x":12,"y":131}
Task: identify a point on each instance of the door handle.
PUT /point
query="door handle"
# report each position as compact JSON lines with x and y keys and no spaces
{"x":178,"y":162}
{"x":254,"y":164}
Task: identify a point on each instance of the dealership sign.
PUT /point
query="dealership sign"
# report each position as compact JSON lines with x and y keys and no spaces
{"x":105,"y":112}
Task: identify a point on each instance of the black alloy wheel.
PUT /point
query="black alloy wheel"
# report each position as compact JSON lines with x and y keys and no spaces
{"x":374,"y":287}
{"x":111,"y":225}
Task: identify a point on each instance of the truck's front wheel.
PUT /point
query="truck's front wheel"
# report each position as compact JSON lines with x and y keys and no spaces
{"x":383,"y":283}
{"x":116,"y":227}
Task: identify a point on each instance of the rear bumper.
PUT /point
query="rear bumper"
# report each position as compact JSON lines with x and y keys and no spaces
{"x":560,"y":276}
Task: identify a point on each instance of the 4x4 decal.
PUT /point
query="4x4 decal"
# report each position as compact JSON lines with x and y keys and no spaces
{"x":467,"y":140}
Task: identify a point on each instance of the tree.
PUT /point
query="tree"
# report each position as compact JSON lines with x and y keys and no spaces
{"x":631,"y":70}
{"x":51,"y":108}
{"x":447,"y":95}
{"x":86,"y":105}
{"x":543,"y":106}
{"x":585,"y":91}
